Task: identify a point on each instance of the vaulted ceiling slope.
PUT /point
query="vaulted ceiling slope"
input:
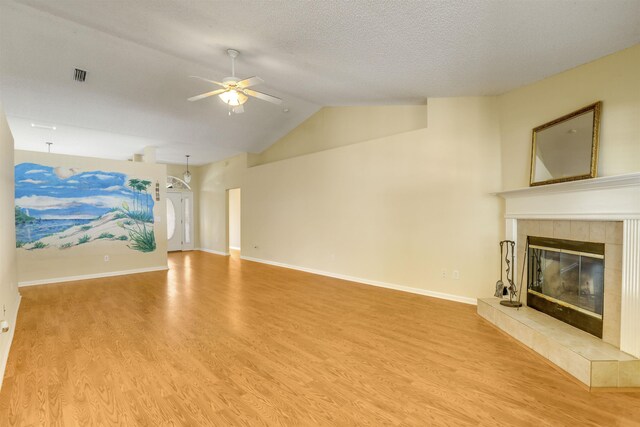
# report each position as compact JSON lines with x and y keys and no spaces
{"x":366,"y":52}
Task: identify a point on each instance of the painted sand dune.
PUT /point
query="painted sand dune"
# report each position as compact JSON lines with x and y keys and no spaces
{"x":113,"y":226}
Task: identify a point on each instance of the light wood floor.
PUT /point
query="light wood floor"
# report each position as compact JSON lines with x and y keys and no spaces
{"x":220,"y":341}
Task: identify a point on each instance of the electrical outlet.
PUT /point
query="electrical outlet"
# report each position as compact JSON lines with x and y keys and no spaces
{"x":455,"y":275}
{"x":106,"y":258}
{"x":443,"y":274}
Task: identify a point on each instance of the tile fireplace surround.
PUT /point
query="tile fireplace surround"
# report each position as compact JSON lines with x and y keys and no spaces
{"x":604,"y":210}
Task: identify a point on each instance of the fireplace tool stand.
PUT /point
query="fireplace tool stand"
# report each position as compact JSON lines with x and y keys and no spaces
{"x":509,"y":252}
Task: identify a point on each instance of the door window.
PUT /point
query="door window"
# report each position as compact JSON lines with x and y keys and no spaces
{"x":171,"y":219}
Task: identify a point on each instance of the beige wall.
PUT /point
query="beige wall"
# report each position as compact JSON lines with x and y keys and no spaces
{"x":356,"y":195}
{"x":8,"y":274}
{"x":52,"y":263}
{"x":178,"y":172}
{"x":613,"y":80}
{"x":398,"y":209}
{"x":333,"y":127}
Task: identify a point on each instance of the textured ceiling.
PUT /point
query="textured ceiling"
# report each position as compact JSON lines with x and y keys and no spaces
{"x":138,"y":54}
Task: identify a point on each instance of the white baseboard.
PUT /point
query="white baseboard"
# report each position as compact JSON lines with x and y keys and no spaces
{"x":434,"y":294}
{"x":91,"y":276}
{"x":4,"y":357}
{"x":235,"y":248}
{"x":211,"y":251}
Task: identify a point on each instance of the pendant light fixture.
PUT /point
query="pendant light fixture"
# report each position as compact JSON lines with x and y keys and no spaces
{"x":187,"y":174}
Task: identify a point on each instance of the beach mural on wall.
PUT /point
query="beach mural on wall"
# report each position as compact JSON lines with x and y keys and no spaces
{"x":58,"y":207}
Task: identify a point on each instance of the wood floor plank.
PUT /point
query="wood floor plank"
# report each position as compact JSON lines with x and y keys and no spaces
{"x":220,"y":341}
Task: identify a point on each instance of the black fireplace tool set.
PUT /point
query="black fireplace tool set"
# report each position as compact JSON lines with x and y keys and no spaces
{"x":507,"y":250}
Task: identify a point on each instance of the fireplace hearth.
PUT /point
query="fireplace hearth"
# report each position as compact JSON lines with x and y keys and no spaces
{"x":566,"y":281}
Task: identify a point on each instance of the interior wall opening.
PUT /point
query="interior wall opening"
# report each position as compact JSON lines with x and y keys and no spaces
{"x":234,"y":223}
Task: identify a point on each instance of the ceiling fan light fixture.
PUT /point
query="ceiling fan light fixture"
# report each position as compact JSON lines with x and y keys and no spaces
{"x":235,"y":92}
{"x":233,"y":97}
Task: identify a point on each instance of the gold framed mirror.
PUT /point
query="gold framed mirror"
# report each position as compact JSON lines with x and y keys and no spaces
{"x":566,"y":149}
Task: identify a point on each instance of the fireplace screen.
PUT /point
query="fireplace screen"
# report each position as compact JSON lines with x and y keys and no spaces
{"x":566,"y":281}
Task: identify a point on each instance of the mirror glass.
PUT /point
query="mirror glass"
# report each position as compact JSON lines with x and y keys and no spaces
{"x":566,"y":149}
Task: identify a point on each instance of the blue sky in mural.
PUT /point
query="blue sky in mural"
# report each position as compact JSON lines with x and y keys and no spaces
{"x":56,"y":192}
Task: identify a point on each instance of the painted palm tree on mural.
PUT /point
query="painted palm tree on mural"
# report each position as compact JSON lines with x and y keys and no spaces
{"x":134,"y":183}
{"x":142,"y":238}
{"x":144,"y":186}
{"x":139,"y":187}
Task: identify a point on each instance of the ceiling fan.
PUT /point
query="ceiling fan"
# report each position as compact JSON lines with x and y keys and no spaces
{"x":235,"y":92}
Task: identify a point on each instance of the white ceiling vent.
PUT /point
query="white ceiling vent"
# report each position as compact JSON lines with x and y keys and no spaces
{"x":79,"y":75}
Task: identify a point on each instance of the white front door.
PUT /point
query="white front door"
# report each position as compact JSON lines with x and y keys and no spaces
{"x":179,"y":220}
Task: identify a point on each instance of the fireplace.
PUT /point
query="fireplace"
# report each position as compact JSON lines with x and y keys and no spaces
{"x":602,"y":210}
{"x":565,"y":279}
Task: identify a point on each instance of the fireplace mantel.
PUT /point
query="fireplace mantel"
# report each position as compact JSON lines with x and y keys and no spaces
{"x":609,"y":198}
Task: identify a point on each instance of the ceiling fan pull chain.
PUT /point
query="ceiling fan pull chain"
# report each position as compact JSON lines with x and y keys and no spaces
{"x":233,"y":66}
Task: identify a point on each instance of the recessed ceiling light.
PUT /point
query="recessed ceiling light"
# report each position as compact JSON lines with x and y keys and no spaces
{"x":35,"y":125}
{"x":285,"y":110}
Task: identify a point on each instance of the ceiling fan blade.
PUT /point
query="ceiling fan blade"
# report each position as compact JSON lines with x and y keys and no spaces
{"x":251,"y":81}
{"x":205,"y":95}
{"x":238,"y":109}
{"x":207,"y":80}
{"x":263,"y":96}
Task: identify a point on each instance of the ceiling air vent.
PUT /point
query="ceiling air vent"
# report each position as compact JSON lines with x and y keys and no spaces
{"x":79,"y":75}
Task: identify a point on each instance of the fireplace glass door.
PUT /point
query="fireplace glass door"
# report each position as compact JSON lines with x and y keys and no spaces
{"x":566,"y":281}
